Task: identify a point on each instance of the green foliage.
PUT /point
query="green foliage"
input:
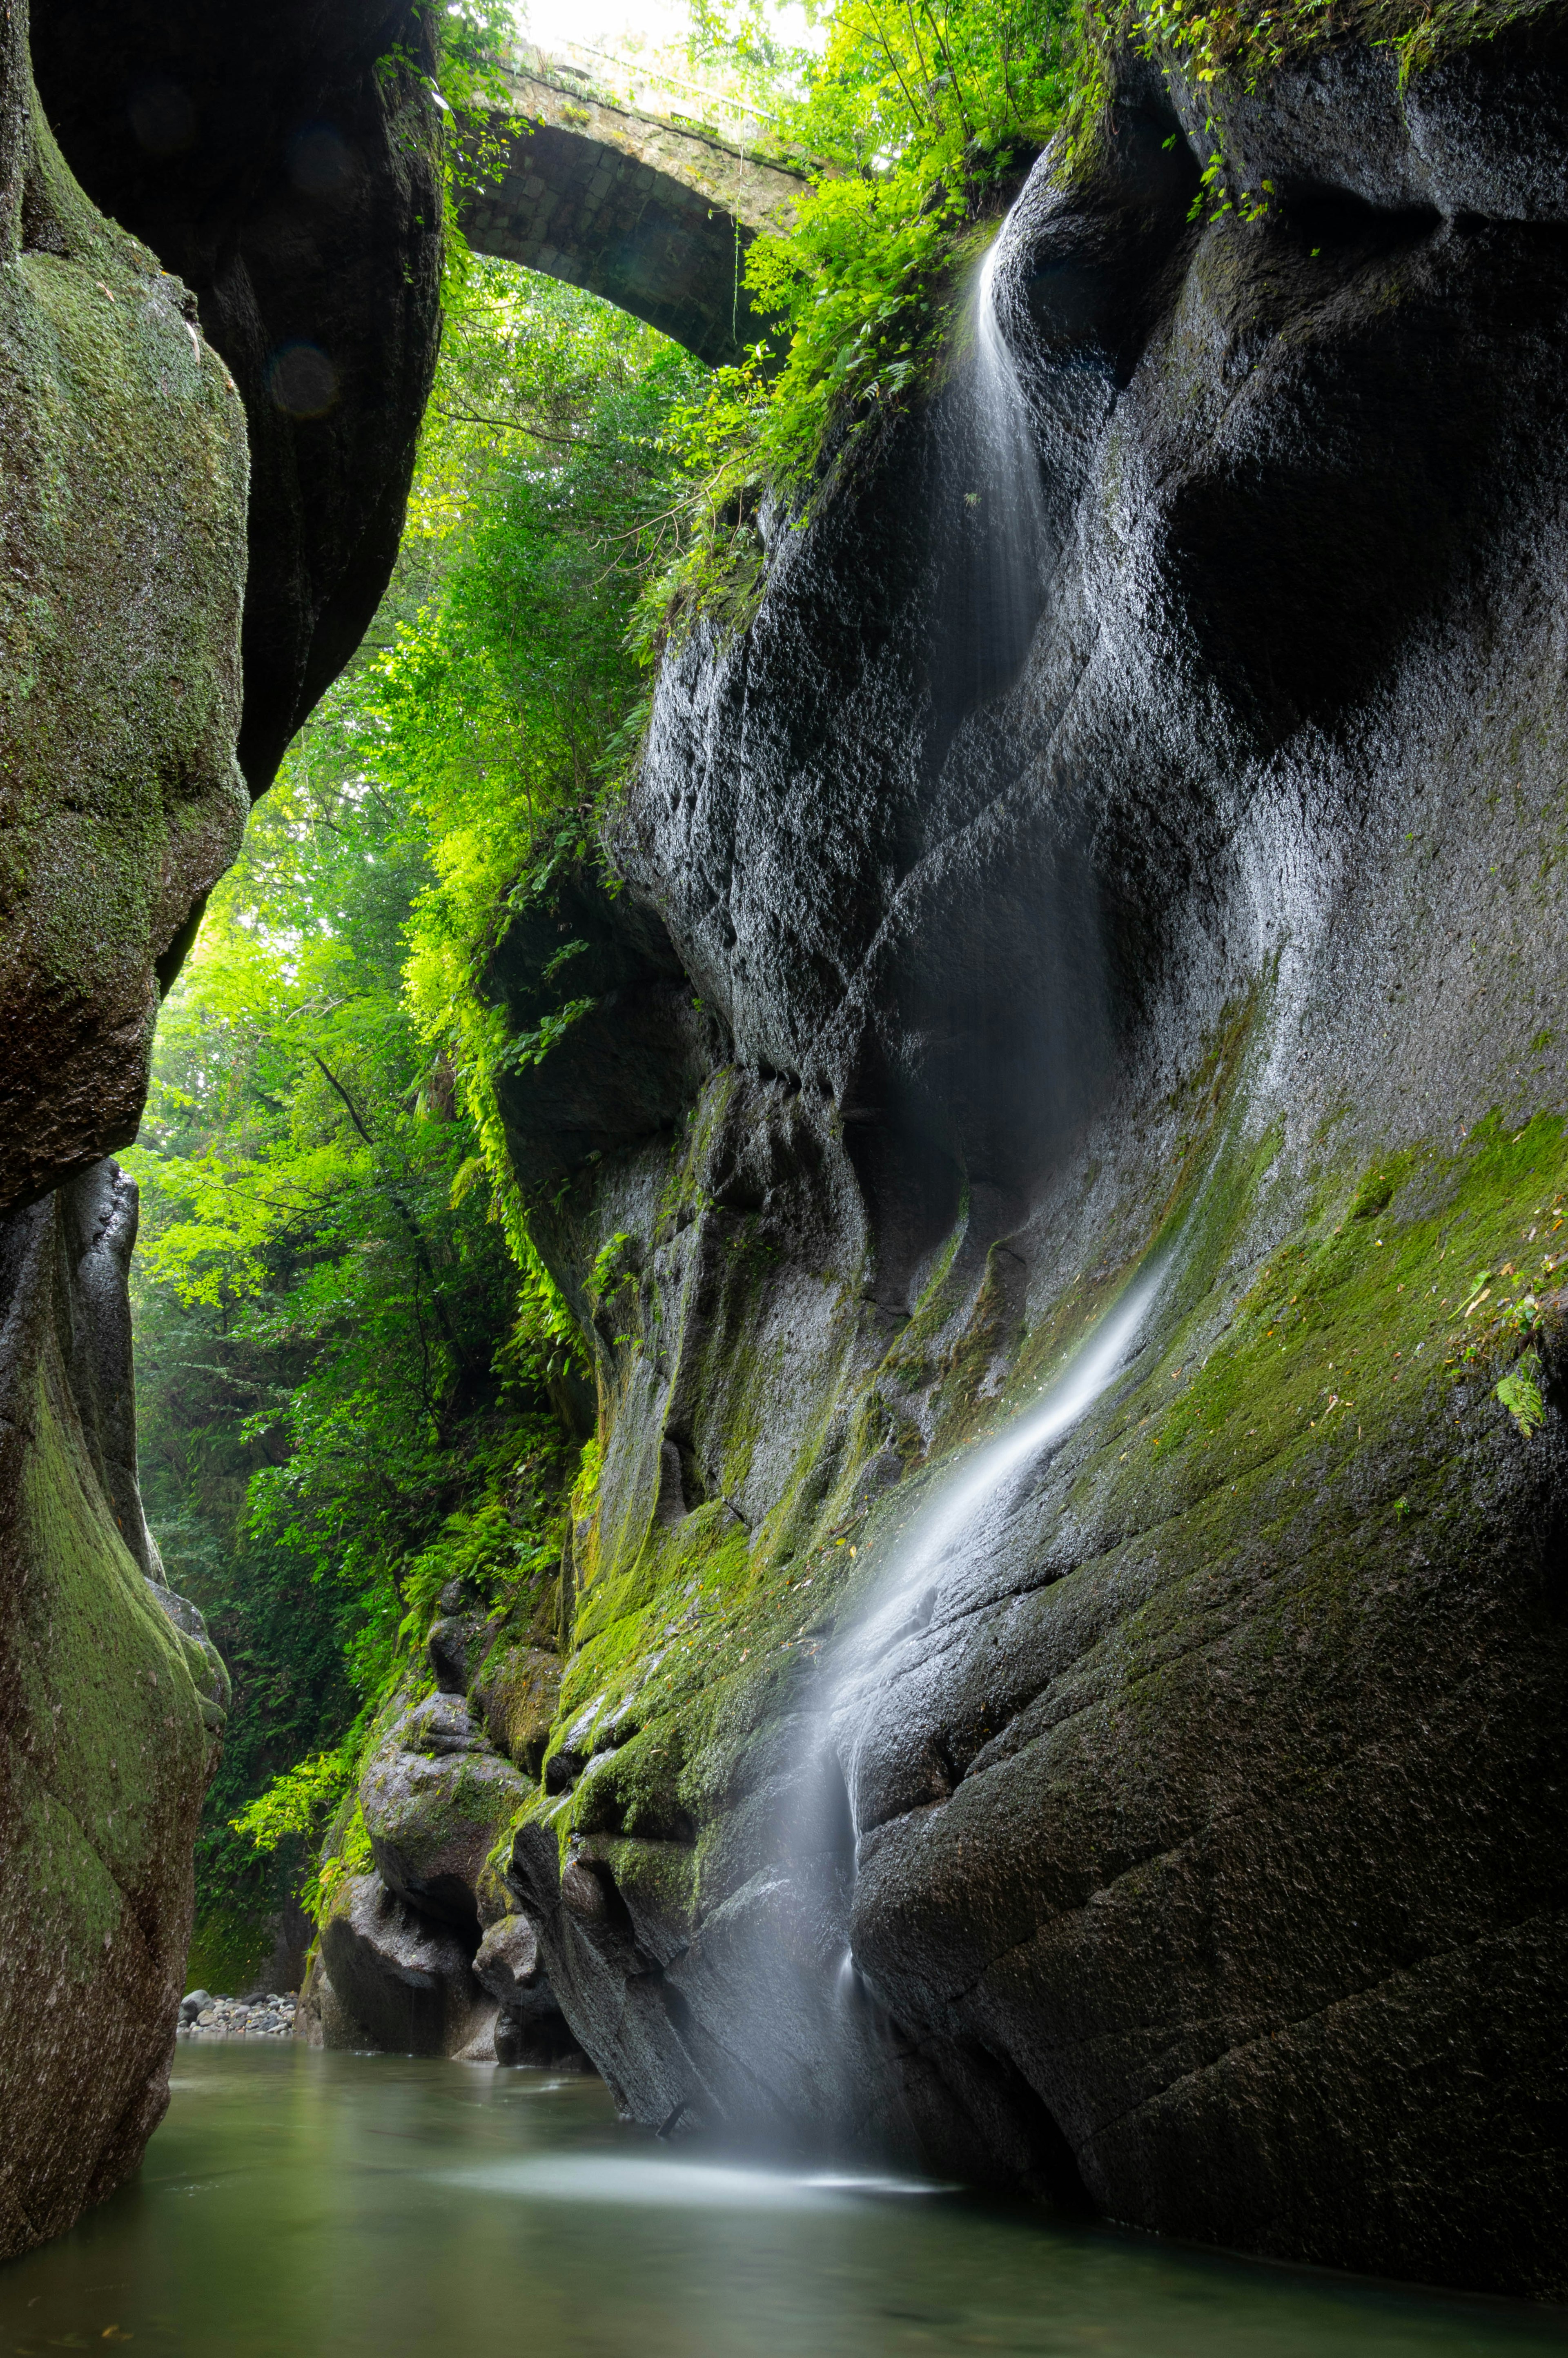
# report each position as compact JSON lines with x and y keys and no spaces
{"x":347,"y":1853}
{"x":918,"y":115}
{"x":346,"y":1345}
{"x":300,"y":1801}
{"x":918,"y":120}
{"x":1520,"y":1393}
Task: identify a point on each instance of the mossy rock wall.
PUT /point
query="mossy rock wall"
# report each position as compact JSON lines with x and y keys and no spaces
{"x":122,"y":573}
{"x":113,"y":1710}
{"x":1178,"y":1833}
{"x":123,"y":502}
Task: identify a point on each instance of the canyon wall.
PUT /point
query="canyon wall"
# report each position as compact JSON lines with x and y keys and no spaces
{"x":131,"y":515}
{"x":1177,"y":1833}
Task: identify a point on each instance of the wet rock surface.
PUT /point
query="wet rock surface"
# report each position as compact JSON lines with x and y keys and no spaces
{"x":133,"y":499}
{"x":1185,"y":1838}
{"x":425,"y":1955}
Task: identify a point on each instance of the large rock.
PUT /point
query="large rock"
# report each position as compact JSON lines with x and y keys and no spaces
{"x":425,"y":1953}
{"x":120,"y":591}
{"x":120,"y":599}
{"x":284,"y":164}
{"x":435,"y":1797}
{"x":113,"y":1710}
{"x":289,"y":173}
{"x":1178,"y":1828}
{"x":388,"y":1977}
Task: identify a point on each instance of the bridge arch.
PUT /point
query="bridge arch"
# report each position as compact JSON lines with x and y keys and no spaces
{"x":635,"y":201}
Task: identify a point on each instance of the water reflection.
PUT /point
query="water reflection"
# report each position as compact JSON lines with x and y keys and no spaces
{"x":347,"y":2204}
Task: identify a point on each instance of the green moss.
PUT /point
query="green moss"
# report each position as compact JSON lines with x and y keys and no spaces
{"x":228,"y":1950}
{"x":119,"y":800}
{"x":1242,"y":44}
{"x":109,"y":1782}
{"x":1353,"y":1324}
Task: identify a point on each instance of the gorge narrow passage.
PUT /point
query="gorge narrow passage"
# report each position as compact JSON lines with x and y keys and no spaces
{"x":804,"y":1503}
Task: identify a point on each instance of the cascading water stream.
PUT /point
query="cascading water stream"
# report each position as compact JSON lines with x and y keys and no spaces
{"x":1006,"y":507}
{"x":980,"y":1489}
{"x":979,"y":1483}
{"x":1005,"y":497}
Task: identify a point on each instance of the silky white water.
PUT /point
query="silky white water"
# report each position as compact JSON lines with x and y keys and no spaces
{"x":978,"y":1488}
{"x":1012,"y":521}
{"x":1005,"y":466}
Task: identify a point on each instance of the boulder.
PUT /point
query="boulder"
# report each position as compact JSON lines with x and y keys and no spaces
{"x":516,"y":1691}
{"x":435,"y":1797}
{"x":530,"y":2027}
{"x":388,"y":1977}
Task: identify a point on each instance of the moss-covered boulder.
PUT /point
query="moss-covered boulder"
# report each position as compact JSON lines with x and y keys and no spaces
{"x":435,"y":1796}
{"x":420,"y":1947}
{"x":1168,"y":928}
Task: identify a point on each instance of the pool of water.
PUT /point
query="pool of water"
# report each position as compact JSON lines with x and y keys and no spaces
{"x":344,"y":2203}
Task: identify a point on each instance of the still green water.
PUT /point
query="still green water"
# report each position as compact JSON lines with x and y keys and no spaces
{"x":377,"y":2204}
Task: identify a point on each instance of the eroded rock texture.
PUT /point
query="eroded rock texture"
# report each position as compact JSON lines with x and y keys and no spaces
{"x":113,"y":1704}
{"x":121,"y":512}
{"x":1180,"y":1831}
{"x":311,"y":240}
{"x":122,"y":516}
{"x":282,"y":163}
{"x":422,"y":1950}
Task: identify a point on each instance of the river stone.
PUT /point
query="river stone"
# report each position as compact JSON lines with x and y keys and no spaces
{"x":1188,"y":1841}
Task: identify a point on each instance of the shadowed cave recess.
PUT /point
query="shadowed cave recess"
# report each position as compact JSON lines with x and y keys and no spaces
{"x":1056,"y":1676}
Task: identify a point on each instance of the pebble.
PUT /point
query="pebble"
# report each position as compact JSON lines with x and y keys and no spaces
{"x":204,"y":2016}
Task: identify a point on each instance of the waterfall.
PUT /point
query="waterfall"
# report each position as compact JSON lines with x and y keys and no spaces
{"x":979,"y":1484}
{"x":1004,"y":506}
{"x":995,"y":593}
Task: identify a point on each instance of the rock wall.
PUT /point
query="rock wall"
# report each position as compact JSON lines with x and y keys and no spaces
{"x":1180,"y":1832}
{"x":124,"y":509}
{"x":284,"y":166}
{"x":114,"y":1706}
{"x":126,"y":503}
{"x":123,"y":494}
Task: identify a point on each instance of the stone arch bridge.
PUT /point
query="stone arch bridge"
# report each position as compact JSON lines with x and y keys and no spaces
{"x":610,"y":183}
